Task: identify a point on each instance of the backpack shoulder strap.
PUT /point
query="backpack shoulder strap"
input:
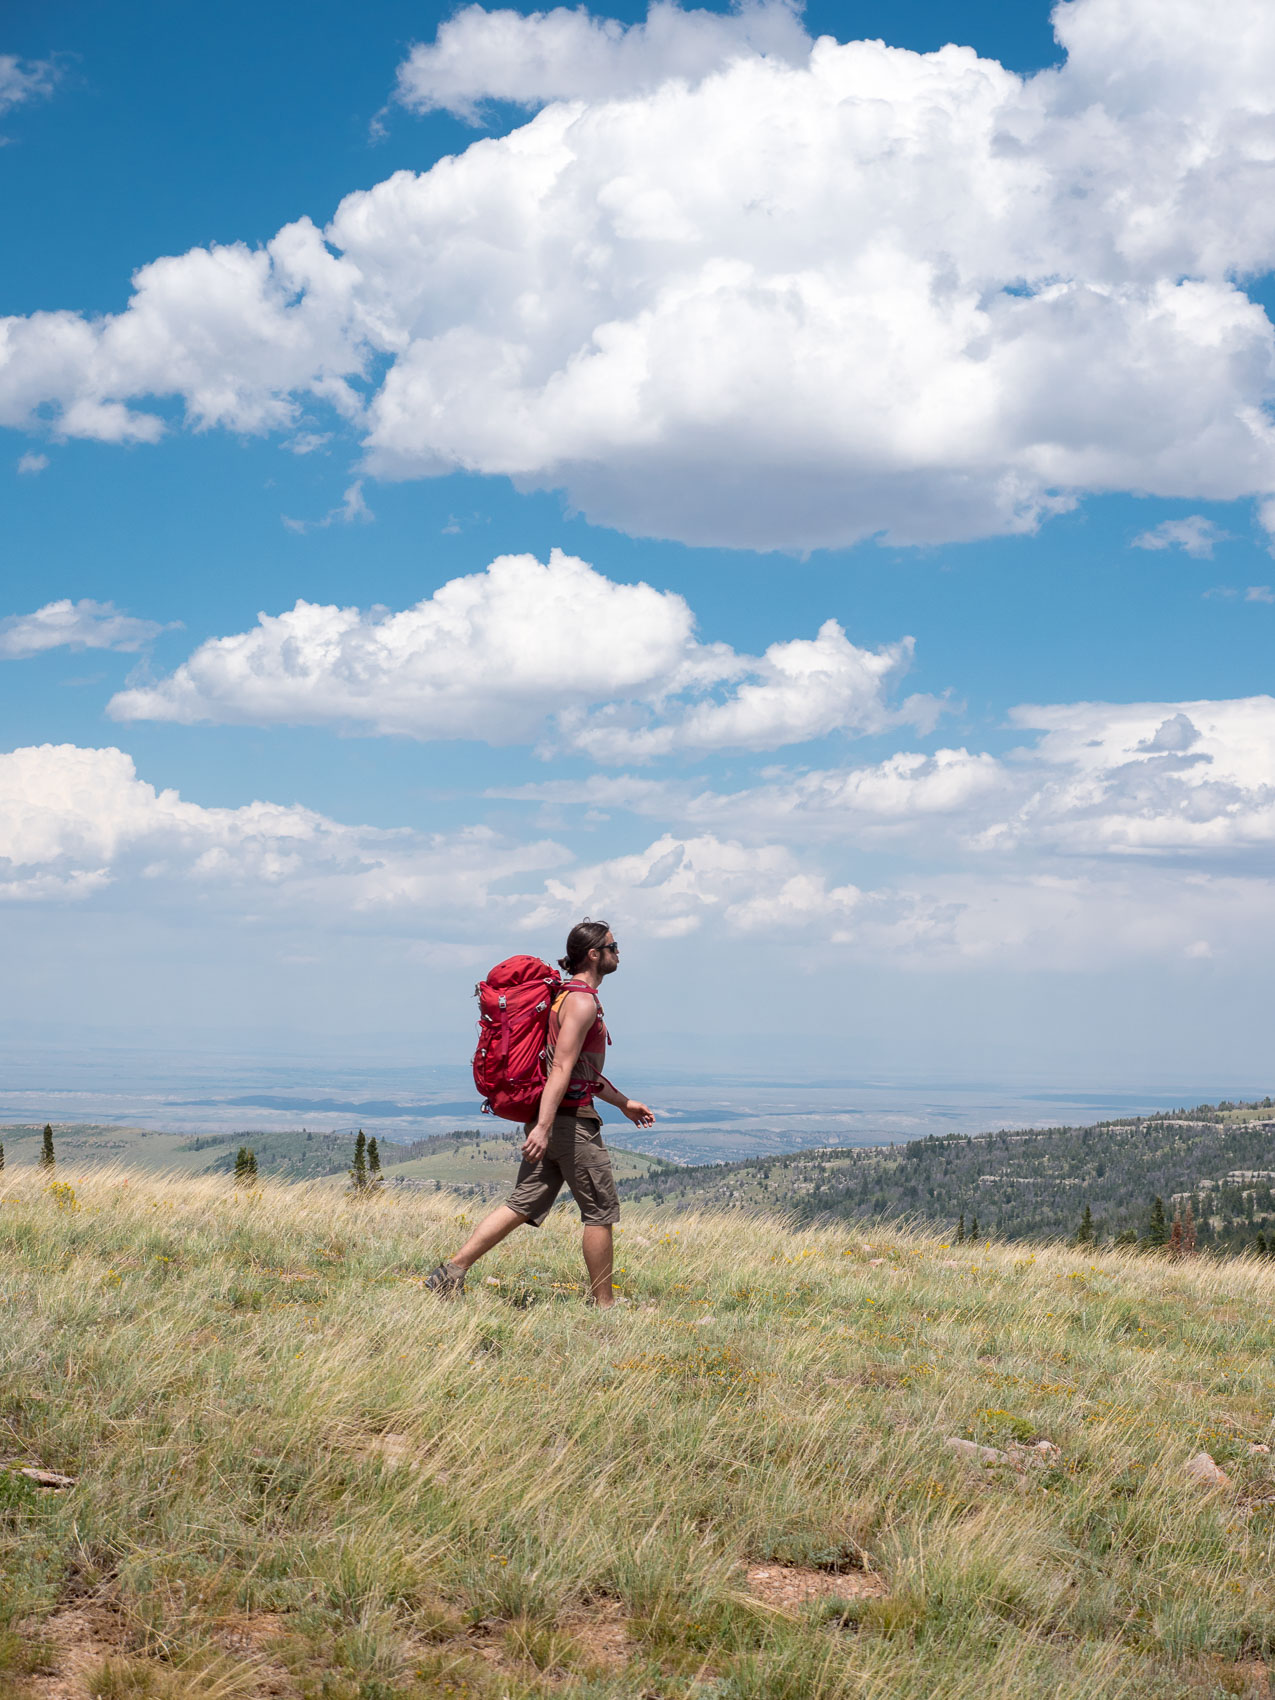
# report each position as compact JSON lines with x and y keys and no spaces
{"x":576,"y":986}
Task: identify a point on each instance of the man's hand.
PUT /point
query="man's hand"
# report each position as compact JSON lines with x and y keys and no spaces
{"x":536,"y":1143}
{"x":638,"y":1114}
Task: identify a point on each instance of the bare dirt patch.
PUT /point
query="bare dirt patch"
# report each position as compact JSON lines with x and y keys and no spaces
{"x":1247,"y":1679}
{"x":249,"y":1638}
{"x":83,"y":1638}
{"x":80,"y":1637}
{"x":602,"y":1634}
{"x":592,"y":1639}
{"x":789,"y":1587}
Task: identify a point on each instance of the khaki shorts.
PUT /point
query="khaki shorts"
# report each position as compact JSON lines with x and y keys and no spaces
{"x":577,"y":1156}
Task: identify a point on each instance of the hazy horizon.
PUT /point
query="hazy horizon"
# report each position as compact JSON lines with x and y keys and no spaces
{"x":708,"y":1117}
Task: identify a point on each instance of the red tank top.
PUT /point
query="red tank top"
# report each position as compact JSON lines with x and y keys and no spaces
{"x":587,"y":1074}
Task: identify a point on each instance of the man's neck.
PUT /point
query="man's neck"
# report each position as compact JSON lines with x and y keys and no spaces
{"x":588,"y":977}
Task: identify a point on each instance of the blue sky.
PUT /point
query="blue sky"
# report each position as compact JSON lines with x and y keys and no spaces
{"x":798,"y":334}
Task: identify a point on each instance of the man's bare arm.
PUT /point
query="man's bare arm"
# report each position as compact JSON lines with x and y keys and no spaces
{"x":637,"y":1113}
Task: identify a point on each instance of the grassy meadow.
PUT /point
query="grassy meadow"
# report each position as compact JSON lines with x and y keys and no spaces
{"x":298,"y":1474}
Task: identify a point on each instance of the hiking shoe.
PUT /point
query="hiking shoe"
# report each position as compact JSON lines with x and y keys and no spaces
{"x":447,"y":1282}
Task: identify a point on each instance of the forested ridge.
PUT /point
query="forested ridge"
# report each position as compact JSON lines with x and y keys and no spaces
{"x":1216,"y":1159}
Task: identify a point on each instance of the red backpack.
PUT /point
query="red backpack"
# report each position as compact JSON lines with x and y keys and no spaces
{"x":513,"y":1033}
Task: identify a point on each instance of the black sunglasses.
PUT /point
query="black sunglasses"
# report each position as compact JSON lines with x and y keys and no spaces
{"x":611,"y":944}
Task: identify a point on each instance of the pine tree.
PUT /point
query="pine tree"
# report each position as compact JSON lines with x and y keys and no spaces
{"x":960,"y":1230}
{"x":358,"y":1173}
{"x":1157,"y":1233}
{"x":245,"y":1166}
{"x":373,"y":1163}
{"x":1085,"y":1232}
{"x":250,"y":1173}
{"x":973,"y":1227}
{"x":47,"y":1158}
{"x":1175,"y":1236}
{"x":1188,"y":1231}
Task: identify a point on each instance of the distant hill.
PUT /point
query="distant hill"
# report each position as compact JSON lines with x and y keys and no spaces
{"x":291,"y":1154}
{"x":473,"y":1162}
{"x":1032,"y":1185}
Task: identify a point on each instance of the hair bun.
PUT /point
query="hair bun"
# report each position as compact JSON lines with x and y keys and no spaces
{"x":565,"y":964}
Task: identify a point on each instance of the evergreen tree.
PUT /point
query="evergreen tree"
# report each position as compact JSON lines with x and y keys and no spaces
{"x":1175,"y":1236}
{"x":252,"y":1166}
{"x":47,"y":1158}
{"x":973,"y":1227}
{"x":960,"y":1230}
{"x":1157,"y":1233}
{"x":1085,"y":1232}
{"x":373,"y":1163}
{"x":245,"y":1166}
{"x":358,"y":1172}
{"x":1259,"y":1245}
{"x":1188,"y":1231}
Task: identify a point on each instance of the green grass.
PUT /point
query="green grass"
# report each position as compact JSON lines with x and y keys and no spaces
{"x":221,"y":1371}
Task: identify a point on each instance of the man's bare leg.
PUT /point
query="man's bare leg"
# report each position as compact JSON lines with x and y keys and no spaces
{"x":597,"y":1260}
{"x":493,"y":1228}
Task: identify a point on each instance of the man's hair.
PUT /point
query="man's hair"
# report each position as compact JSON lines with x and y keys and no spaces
{"x":585,"y":936}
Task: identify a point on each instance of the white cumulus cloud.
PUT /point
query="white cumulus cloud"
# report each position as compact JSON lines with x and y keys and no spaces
{"x":529,"y":651}
{"x":1194,"y":535}
{"x":73,"y":821}
{"x":909,"y":795}
{"x":793,"y":301}
{"x":22,"y":80}
{"x":565,"y":54}
{"x":73,"y":625}
{"x":1148,"y":778}
{"x":670,"y":888}
{"x":1191,"y":781}
{"x":1034,"y":918}
{"x":81,"y":826}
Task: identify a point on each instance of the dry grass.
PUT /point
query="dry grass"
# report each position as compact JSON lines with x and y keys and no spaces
{"x":300,"y":1475}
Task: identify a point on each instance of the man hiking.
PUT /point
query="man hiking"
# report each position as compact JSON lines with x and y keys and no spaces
{"x":564,"y":1143}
